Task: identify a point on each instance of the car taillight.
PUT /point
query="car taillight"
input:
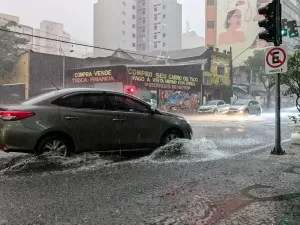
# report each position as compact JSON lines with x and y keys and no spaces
{"x":14,"y":115}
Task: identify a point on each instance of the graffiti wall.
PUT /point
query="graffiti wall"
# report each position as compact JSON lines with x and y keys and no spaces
{"x":178,"y":101}
{"x":237,"y":27}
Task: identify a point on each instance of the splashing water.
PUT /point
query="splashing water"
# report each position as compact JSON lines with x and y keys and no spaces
{"x":182,"y":150}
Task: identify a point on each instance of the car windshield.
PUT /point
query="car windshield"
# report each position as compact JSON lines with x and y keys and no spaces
{"x":211,"y":103}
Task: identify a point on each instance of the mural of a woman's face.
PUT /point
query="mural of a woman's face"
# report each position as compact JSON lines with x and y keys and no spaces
{"x":240,"y":2}
{"x":235,"y":20}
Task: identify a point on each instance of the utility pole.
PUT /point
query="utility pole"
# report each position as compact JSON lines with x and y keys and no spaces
{"x":64,"y":65}
{"x":272,"y":24}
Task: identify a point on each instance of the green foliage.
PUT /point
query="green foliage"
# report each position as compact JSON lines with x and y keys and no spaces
{"x":256,"y":63}
{"x":292,"y":77}
{"x":9,"y":49}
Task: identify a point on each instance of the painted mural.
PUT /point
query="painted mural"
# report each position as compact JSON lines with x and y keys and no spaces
{"x":237,"y":27}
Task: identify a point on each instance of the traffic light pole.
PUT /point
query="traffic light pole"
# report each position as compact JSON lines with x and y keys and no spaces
{"x":277,"y":42}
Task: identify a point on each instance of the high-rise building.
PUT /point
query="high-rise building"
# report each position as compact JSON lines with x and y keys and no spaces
{"x":235,"y":24}
{"x":159,"y":25}
{"x":137,"y":25}
{"x":115,"y":25}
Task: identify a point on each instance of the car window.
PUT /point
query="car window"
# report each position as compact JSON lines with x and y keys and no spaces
{"x":94,"y":101}
{"x":73,"y":101}
{"x":221,"y":103}
{"x":126,"y":104}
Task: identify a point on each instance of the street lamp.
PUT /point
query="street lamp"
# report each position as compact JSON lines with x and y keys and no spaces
{"x":64,"y":64}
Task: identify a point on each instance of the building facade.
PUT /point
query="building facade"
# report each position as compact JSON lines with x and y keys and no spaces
{"x":137,"y":25}
{"x":48,"y":29}
{"x":115,"y":25}
{"x":234,"y":23}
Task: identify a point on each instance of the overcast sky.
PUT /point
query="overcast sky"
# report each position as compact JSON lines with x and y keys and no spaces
{"x":77,"y":15}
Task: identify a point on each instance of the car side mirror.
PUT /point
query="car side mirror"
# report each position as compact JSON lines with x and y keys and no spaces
{"x":152,"y":110}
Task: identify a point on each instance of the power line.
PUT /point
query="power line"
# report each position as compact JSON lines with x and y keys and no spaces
{"x":74,"y":43}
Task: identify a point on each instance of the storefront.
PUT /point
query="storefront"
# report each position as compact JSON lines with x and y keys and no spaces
{"x":163,"y":85}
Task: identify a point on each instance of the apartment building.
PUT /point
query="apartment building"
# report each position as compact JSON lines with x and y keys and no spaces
{"x":159,"y":25}
{"x":48,"y":29}
{"x":137,"y":25}
{"x":115,"y":25}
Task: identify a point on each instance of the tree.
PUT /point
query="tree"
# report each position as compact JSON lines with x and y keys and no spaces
{"x":9,"y":48}
{"x":256,"y":63}
{"x":292,"y":77}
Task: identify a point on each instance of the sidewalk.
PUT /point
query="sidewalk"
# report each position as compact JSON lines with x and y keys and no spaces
{"x":256,"y":189}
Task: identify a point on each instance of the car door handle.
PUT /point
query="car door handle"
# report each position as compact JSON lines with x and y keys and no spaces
{"x":118,"y":120}
{"x":71,"y":118}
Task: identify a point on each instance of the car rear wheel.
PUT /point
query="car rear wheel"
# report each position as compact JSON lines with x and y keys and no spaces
{"x":246,"y":113}
{"x":170,"y":136}
{"x":216,"y":112}
{"x":55,"y":145}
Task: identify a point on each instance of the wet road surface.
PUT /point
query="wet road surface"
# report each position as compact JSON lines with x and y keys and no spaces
{"x":153,"y":189}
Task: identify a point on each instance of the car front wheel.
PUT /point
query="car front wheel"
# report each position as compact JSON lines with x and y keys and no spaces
{"x":170,"y":136}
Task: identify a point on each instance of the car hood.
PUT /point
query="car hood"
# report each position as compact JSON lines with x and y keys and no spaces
{"x":237,"y":107}
{"x":206,"y":107}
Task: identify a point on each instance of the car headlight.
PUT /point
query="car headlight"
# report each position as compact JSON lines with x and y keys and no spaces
{"x":184,"y":119}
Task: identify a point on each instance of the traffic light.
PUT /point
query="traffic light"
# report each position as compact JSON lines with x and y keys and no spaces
{"x":131,"y":90}
{"x":292,"y":28}
{"x":269,"y":23}
{"x":284,"y":28}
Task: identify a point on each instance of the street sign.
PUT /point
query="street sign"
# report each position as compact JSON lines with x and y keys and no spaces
{"x":275,"y":60}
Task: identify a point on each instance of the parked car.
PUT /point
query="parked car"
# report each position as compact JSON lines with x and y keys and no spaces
{"x":152,"y":102}
{"x":215,"y":107}
{"x":76,"y":120}
{"x":245,"y":107}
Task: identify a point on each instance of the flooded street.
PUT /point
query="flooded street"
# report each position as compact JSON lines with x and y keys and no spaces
{"x":152,"y":188}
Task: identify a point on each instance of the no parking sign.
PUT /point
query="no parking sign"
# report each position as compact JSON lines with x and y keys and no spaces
{"x":275,"y":60}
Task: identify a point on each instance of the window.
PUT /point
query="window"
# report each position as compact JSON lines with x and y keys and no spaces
{"x":73,"y":101}
{"x":144,"y":21}
{"x":155,"y":17}
{"x":123,"y":32}
{"x":124,"y":3}
{"x":155,"y":9}
{"x":164,"y":16}
{"x":164,"y":34}
{"x":133,"y":44}
{"x":123,"y":22}
{"x":220,"y":69}
{"x":155,"y":36}
{"x":133,"y":16}
{"x":164,"y":6}
{"x":143,"y":30}
{"x":155,"y":27}
{"x":123,"y":13}
{"x":93,"y":101}
{"x":133,"y":35}
{"x":164,"y":44}
{"x":210,"y":24}
{"x":210,"y":2}
{"x":155,"y":45}
{"x":143,"y":12}
{"x":144,"y":3}
{"x":133,"y":25}
{"x":133,"y":7}
{"x":125,"y":104}
{"x":220,"y":103}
